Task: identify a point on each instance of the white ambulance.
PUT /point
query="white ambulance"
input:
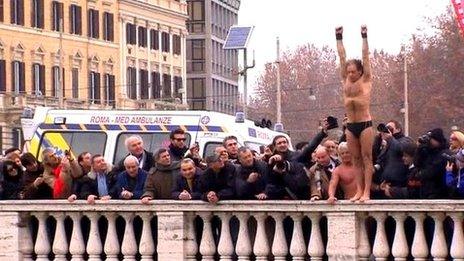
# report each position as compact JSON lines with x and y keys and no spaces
{"x":104,"y":131}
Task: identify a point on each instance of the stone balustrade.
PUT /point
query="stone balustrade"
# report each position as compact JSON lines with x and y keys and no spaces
{"x":243,"y":230}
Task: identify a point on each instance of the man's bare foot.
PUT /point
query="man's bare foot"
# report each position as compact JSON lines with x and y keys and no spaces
{"x":365,"y":197}
{"x":356,"y":197}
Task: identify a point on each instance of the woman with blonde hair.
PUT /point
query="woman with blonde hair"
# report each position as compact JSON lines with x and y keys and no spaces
{"x":456,"y":141}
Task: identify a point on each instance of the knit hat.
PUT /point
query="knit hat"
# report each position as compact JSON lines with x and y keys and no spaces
{"x":437,"y":134}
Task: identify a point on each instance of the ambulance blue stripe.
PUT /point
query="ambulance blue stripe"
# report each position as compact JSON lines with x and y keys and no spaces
{"x":153,"y":127}
{"x":214,"y":128}
{"x":172,"y":127}
{"x":92,"y":126}
{"x":193,"y":128}
{"x":73,"y":126}
{"x":112,"y":127}
{"x":133,"y":127}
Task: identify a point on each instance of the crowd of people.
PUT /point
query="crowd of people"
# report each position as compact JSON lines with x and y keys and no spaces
{"x":322,"y":169}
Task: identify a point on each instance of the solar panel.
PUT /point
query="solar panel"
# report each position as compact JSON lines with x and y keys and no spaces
{"x":238,"y":37}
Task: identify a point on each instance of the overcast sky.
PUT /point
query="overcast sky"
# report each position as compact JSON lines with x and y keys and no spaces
{"x":390,"y":24}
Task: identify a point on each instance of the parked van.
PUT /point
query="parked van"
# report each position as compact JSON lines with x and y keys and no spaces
{"x":104,"y":131}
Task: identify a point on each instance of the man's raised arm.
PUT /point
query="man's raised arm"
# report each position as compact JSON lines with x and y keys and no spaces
{"x":365,"y":54}
{"x":341,"y":51}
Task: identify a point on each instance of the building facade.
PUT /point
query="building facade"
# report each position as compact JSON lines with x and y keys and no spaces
{"x":212,"y":79}
{"x":72,"y":54}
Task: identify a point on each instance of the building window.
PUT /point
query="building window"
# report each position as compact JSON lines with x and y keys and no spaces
{"x":37,"y":15}
{"x":38,"y":79}
{"x":75,"y":19}
{"x":166,"y":85}
{"x":17,"y":77}
{"x":177,"y":86}
{"x":196,"y":55}
{"x":156,"y":85}
{"x":132,"y":82}
{"x":1,"y":14}
{"x":57,"y":12}
{"x":165,"y":42}
{"x":17,"y":12}
{"x":108,"y":26}
{"x":130,"y":34}
{"x":154,"y":39}
{"x":93,"y":24}
{"x":75,"y":83}
{"x":144,"y":86}
{"x":142,"y":31}
{"x":57,"y":87}
{"x":2,"y":76}
{"x":176,"y":44}
{"x":110,"y":97}
{"x":94,"y":88}
{"x":196,"y":93}
{"x":196,"y":21}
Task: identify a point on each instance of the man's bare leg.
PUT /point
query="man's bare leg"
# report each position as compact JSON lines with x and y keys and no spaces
{"x":367,"y":140}
{"x":355,"y":149}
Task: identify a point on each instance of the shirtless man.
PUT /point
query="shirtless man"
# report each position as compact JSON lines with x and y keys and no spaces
{"x":357,"y":84}
{"x":345,"y":174}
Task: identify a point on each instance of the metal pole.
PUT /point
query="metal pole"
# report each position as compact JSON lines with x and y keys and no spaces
{"x":60,"y":87}
{"x":406,"y":102}
{"x":279,"y":95}
{"x":245,"y":94}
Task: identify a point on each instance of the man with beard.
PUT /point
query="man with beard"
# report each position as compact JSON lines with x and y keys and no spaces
{"x":251,"y":178}
{"x":59,"y":173}
{"x":33,"y":181}
{"x":177,"y":148}
{"x":160,"y":179}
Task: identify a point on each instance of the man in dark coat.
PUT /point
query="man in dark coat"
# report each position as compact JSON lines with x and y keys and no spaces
{"x":217,"y":182}
{"x":134,"y":145}
{"x":187,"y":185}
{"x":252,"y":175}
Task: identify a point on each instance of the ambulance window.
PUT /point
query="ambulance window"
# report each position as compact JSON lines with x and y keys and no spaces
{"x":253,"y":145}
{"x":77,"y":141}
{"x":151,"y":142}
{"x":210,"y":147}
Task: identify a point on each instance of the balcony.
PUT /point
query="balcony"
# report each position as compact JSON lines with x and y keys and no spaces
{"x":249,"y":230}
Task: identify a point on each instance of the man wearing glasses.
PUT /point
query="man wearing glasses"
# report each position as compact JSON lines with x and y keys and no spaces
{"x":177,"y":148}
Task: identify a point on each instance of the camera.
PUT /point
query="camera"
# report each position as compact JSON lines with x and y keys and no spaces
{"x":280,"y":165}
{"x":332,"y":122}
{"x":450,"y":158}
{"x":382,"y":127}
{"x":424,"y":139}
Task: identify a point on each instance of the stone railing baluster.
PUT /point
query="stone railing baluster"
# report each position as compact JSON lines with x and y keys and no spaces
{"x":457,"y":243}
{"x":94,"y":244}
{"x":207,"y":245}
{"x":77,"y":245}
{"x":147,"y":246}
{"x":297,"y":245}
{"x":60,"y":243}
{"x":400,"y":248}
{"x":243,"y":247}
{"x":261,"y":247}
{"x":316,"y":249}
{"x":419,"y":249}
{"x":26,"y":246}
{"x":279,"y":245}
{"x":381,"y":249}
{"x":439,"y":249}
{"x":225,"y":247}
{"x":364,"y":247}
{"x":111,"y":246}
{"x":129,"y":244}
{"x":42,"y":244}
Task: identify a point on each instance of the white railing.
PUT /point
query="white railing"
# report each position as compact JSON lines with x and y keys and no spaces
{"x":174,"y":230}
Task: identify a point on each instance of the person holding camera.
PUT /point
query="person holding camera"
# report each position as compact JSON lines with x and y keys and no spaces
{"x":251,"y":177}
{"x":431,"y":164}
{"x":389,"y":168}
{"x":357,"y":85}
{"x":454,"y":176}
{"x":287,"y":178}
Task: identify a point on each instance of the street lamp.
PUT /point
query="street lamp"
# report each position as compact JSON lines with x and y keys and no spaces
{"x":312,"y":97}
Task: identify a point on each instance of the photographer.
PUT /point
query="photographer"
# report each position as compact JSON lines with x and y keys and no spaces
{"x":304,"y":157}
{"x":389,"y":168}
{"x":431,"y":164}
{"x":455,"y":174}
{"x":287,"y":179}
